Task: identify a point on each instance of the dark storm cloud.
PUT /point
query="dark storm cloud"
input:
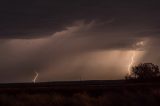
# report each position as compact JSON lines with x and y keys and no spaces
{"x":40,"y":18}
{"x":19,"y":58}
{"x":64,"y":40}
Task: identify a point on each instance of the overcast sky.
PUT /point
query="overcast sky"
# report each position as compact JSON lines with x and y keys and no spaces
{"x":73,"y":40}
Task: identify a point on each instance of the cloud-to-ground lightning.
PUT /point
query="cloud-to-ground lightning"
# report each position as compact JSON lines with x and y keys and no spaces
{"x":131,"y":62}
{"x":35,"y":78}
{"x":137,"y":46}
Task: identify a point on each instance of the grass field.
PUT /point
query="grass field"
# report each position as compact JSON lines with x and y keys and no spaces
{"x":80,"y":93}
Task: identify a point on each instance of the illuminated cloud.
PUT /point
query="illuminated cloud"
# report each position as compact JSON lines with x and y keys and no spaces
{"x":94,"y":40}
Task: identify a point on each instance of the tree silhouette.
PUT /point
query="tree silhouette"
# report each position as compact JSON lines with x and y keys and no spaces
{"x":144,"y":71}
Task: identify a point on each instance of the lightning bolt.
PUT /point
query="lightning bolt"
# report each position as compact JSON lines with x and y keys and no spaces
{"x":35,"y":78}
{"x":137,"y":46}
{"x":131,"y":62}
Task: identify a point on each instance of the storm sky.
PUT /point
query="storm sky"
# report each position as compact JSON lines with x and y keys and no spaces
{"x":73,"y":40}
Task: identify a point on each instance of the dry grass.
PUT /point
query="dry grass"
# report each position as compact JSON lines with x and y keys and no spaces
{"x":125,"y":98}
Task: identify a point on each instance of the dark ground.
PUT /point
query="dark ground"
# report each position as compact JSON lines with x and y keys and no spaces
{"x":81,"y":93}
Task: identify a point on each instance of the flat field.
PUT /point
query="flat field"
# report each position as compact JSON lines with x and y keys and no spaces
{"x":80,"y":93}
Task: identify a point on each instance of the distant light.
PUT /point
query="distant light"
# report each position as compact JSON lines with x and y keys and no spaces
{"x":141,"y":43}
